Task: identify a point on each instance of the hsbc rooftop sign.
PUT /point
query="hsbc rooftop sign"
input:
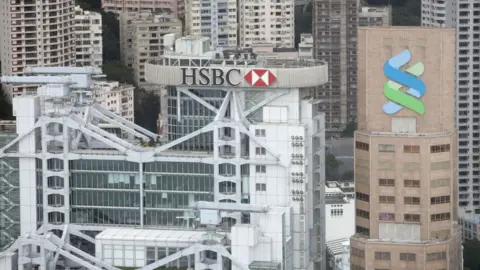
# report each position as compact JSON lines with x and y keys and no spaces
{"x":256,"y":77}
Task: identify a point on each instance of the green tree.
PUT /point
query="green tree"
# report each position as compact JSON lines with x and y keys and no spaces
{"x":349,"y":130}
{"x":471,"y":249}
{"x":116,"y":71}
{"x":5,"y":107}
{"x":331,"y":167}
{"x":404,"y":12}
{"x":147,"y":108}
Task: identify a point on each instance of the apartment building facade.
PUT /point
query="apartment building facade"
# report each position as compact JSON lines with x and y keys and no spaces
{"x":266,"y":22}
{"x":172,"y":7}
{"x":434,"y":12}
{"x":335,"y":35}
{"x":88,"y":38}
{"x":464,"y":16}
{"x":214,"y":19}
{"x":142,"y":39}
{"x":405,"y":152}
{"x":35,"y":33}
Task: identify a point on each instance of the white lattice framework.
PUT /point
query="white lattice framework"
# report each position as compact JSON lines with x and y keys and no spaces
{"x":64,"y":129}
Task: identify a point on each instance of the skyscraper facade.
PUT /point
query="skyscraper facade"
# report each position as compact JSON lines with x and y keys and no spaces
{"x":35,"y":33}
{"x":334,"y":37}
{"x":434,"y":12}
{"x":406,"y":151}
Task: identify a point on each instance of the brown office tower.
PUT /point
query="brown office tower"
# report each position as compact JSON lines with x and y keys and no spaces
{"x":406,"y":151}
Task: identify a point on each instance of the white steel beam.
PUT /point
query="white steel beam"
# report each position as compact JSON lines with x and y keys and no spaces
{"x":98,"y":114}
{"x":269,"y":99}
{"x":198,"y":99}
{"x":223,"y":108}
{"x":164,"y":147}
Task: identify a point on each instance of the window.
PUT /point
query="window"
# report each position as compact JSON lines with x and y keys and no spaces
{"x":440,"y":148}
{"x":411,"y":257}
{"x":442,"y":165}
{"x":261,"y":187}
{"x":440,"y":217}
{"x":363,"y":214}
{"x":411,"y":149}
{"x":358,"y":252}
{"x":440,"y":234}
{"x":386,"y":148}
{"x":443,"y":182}
{"x":356,"y":267}
{"x":382,"y":256}
{"x":362,"y":146}
{"x":260,"y":169}
{"x":386,"y":182}
{"x":411,"y":200}
{"x":337,"y":212}
{"x":362,"y":230}
{"x":386,"y":216}
{"x":260,"y":132}
{"x":411,"y":183}
{"x":386,"y":199}
{"x":260,"y":151}
{"x":411,"y":218}
{"x":436,"y":256}
{"x":440,"y":199}
{"x":362,"y":197}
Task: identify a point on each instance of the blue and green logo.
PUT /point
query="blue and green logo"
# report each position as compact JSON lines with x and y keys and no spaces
{"x":398,"y":79}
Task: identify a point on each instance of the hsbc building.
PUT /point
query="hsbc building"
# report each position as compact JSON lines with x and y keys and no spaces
{"x":253,"y":124}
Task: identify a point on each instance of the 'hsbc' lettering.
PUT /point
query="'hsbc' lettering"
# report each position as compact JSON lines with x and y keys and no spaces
{"x":209,"y":76}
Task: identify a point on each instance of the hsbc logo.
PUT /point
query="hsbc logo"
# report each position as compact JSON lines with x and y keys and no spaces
{"x":232,"y":77}
{"x":260,"y":77}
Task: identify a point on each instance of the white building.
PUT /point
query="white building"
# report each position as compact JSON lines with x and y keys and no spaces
{"x":242,"y":167}
{"x":305,"y":47}
{"x":434,"y":12}
{"x":266,"y":22}
{"x":88,"y":36}
{"x":465,"y":16}
{"x":214,"y":19}
{"x":35,"y":33}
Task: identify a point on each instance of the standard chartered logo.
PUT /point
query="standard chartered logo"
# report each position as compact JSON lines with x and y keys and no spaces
{"x":398,"y":79}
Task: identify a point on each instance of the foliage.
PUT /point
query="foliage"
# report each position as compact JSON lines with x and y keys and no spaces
{"x":331,"y":167}
{"x":471,"y":249}
{"x":303,"y":22}
{"x":349,"y":130}
{"x":6,"y":109}
{"x":404,"y":12}
{"x":147,"y":108}
{"x":348,"y":175}
{"x":116,"y":71}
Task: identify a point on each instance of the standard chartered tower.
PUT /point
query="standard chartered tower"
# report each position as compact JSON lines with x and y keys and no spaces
{"x":406,"y":151}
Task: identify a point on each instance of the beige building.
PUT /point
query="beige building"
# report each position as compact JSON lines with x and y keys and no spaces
{"x":88,"y":36}
{"x":172,"y":7}
{"x":405,"y":162}
{"x":35,"y":33}
{"x":334,"y":40}
{"x":142,"y":39}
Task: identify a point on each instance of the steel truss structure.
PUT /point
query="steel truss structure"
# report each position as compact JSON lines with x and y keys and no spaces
{"x":67,"y":128}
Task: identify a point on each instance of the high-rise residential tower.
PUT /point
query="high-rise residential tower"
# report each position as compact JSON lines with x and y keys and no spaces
{"x":406,"y":151}
{"x":335,"y":35}
{"x":464,"y":16}
{"x":88,"y":38}
{"x":434,"y":12}
{"x":35,"y":33}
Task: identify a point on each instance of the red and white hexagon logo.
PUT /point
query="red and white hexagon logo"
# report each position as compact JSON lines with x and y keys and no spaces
{"x":260,"y":77}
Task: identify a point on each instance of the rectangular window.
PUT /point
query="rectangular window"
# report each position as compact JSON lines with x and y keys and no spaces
{"x":261,"y":187}
{"x":337,"y":212}
{"x":411,"y":166}
{"x":382,"y":256}
{"x":440,"y":217}
{"x":260,"y":151}
{"x":362,"y":197}
{"x":440,"y":148}
{"x":442,"y":165}
{"x":260,"y":132}
{"x":440,"y":199}
{"x":386,"y":148}
{"x":436,"y":256}
{"x":410,"y":257}
{"x":442,"y":182}
{"x":362,"y":146}
{"x":411,"y":149}
{"x":358,"y":252}
{"x":260,"y":169}
{"x":411,"y":183}
{"x":363,"y":214}
{"x":386,"y":199}
{"x":411,"y":218}
{"x":440,"y":234}
{"x":362,"y":230}
{"x":356,"y":267}
{"x":411,"y":200}
{"x":386,"y":182}
{"x":386,"y":216}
